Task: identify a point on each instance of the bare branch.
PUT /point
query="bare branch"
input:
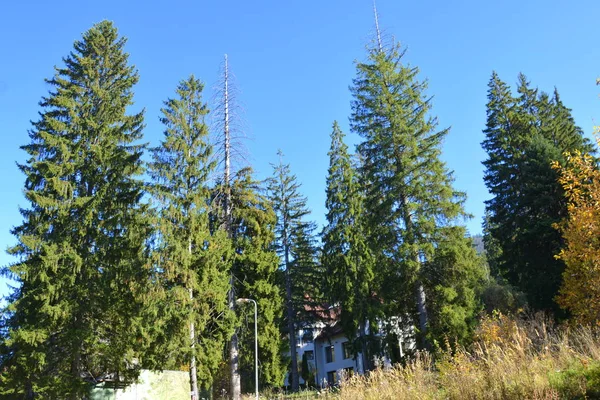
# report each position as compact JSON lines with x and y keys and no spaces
{"x":378,"y":32}
{"x":381,"y":40}
{"x":228,"y":127}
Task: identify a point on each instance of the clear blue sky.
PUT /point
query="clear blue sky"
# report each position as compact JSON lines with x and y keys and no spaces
{"x":294,"y":61}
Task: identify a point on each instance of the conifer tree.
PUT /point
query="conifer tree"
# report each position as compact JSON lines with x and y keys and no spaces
{"x":224,"y":132}
{"x":195,"y":320}
{"x":501,"y":136}
{"x":293,"y":245}
{"x":75,"y":318}
{"x":240,"y":207}
{"x":409,"y":193}
{"x":455,"y":277}
{"x":306,"y":273}
{"x":350,"y":278}
{"x":255,"y":271}
{"x":524,"y":135}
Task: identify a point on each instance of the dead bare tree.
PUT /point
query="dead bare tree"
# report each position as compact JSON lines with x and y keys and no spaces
{"x":228,"y":135}
{"x":377,"y":30}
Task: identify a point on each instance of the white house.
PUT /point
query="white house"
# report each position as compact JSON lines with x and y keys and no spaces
{"x":329,"y":352}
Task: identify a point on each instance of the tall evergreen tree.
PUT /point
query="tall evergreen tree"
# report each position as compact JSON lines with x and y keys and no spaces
{"x":224,"y":126}
{"x":306,"y":273}
{"x":255,"y":271}
{"x":491,"y":247}
{"x":74,"y":320}
{"x":293,"y":246}
{"x":409,"y":193}
{"x":240,"y":207}
{"x":195,"y":320}
{"x":524,"y":135}
{"x":455,"y":277}
{"x":347,"y":258}
{"x":502,"y":135}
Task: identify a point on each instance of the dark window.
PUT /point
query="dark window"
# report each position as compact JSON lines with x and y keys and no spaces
{"x":308,"y":336}
{"x":329,"y":354}
{"x":348,"y":372}
{"x":331,"y":377}
{"x":309,"y":355}
{"x":347,"y":349}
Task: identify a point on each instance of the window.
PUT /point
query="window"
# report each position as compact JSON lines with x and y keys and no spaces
{"x":329,"y":354}
{"x":348,"y":372}
{"x":309,"y":355}
{"x":308,"y":337}
{"x":347,"y":350}
{"x":331,"y":378}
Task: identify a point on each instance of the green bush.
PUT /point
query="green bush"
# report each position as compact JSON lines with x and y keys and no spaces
{"x":580,"y":381}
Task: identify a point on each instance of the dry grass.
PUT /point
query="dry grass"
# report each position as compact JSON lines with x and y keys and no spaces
{"x":509,"y":360}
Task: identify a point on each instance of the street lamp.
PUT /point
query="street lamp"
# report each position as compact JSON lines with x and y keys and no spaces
{"x":255,"y":341}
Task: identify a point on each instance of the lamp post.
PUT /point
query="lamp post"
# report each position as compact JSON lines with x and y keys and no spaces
{"x":255,"y":341}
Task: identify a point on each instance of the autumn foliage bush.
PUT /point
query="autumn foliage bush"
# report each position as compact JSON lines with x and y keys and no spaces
{"x":580,"y":290}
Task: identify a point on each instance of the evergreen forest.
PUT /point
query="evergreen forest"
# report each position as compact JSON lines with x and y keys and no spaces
{"x":134,"y":256}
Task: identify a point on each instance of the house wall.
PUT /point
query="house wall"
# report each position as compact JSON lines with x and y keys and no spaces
{"x":338,"y":364}
{"x":303,"y":345}
{"x":173,"y":385}
{"x":320,"y":342}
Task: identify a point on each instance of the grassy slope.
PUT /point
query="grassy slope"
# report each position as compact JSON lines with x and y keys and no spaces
{"x":509,"y":360}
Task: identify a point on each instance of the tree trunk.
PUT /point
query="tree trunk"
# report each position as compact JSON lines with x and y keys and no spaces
{"x":234,"y":362}
{"x":422,"y":310}
{"x":234,"y":359}
{"x":76,"y":368}
{"x":293,"y":376}
{"x":193,"y":371}
{"x":29,"y":393}
{"x":420,"y":291}
{"x":294,"y":383}
{"x":366,"y":364}
{"x":227,"y":137}
{"x":76,"y":365}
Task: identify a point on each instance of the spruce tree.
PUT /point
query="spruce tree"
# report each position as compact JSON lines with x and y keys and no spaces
{"x":241,"y":209}
{"x":194,"y":320}
{"x":306,"y":273}
{"x":501,"y":137}
{"x":455,"y":277}
{"x":291,"y":230}
{"x":409,"y":193}
{"x":255,"y":271}
{"x":225,"y":130}
{"x":524,"y":135}
{"x":347,"y":258}
{"x":75,"y":317}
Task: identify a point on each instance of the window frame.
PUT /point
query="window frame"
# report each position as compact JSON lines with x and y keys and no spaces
{"x":334,"y":378}
{"x":347,"y":352}
{"x":329,"y":354}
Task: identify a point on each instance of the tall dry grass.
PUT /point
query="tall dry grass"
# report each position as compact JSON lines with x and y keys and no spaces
{"x":510,"y":359}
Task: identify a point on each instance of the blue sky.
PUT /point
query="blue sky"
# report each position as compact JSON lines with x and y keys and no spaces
{"x":294,"y":61}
